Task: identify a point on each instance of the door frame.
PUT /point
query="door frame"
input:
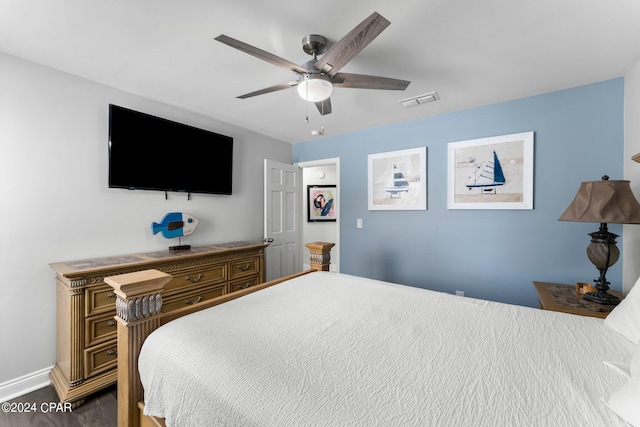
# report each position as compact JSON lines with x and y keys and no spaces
{"x":334,"y":161}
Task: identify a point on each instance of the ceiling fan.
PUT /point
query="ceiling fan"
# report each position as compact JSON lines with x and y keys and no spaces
{"x":317,"y":77}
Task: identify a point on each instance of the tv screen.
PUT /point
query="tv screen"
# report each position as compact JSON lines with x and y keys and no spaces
{"x":151,"y":153}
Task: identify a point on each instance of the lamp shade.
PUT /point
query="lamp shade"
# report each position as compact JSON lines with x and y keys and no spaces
{"x":604,"y":201}
{"x":314,"y":88}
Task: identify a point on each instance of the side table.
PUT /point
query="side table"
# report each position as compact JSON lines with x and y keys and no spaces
{"x":565,"y":299}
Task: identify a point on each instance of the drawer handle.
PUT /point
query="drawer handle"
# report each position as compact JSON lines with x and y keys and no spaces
{"x":189,"y":302}
{"x":245,"y":286}
{"x":111,"y":352}
{"x":196,"y":280}
{"x":111,"y":295}
{"x":244,"y":267}
{"x":111,"y":323}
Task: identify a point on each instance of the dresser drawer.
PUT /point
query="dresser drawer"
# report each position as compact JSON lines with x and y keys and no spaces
{"x":183,"y":300}
{"x":209,"y":274}
{"x":100,"y":358}
{"x":100,"y":328}
{"x":244,"y":267}
{"x":100,"y":299}
{"x":243,"y":283}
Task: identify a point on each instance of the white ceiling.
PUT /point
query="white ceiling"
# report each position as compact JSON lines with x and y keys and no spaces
{"x":472,"y":52}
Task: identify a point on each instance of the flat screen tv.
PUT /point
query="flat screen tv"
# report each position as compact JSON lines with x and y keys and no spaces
{"x":151,"y":153}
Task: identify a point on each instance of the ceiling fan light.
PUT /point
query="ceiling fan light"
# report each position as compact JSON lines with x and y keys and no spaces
{"x":314,"y":89}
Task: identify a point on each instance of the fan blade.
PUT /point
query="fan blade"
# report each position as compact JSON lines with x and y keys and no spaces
{"x":362,"y":81}
{"x":269,"y":89}
{"x":324,"y":106}
{"x":350,"y":45}
{"x":261,"y":54}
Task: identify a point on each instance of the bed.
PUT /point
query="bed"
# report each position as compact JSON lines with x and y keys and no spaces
{"x":334,"y":350}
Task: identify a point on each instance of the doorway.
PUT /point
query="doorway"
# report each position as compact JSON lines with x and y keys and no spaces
{"x":325,"y":172}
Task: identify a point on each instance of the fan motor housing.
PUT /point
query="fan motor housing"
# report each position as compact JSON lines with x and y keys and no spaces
{"x":314,"y":44}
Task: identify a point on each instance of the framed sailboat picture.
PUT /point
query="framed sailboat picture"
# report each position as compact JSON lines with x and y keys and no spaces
{"x":491,"y":173}
{"x":398,"y":180}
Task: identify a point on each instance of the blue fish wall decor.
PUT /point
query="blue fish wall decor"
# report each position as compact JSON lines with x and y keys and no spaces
{"x":175,"y":224}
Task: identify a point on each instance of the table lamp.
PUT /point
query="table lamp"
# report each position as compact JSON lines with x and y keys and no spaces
{"x":605,"y":201}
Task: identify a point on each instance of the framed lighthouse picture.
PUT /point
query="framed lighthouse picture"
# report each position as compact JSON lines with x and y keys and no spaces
{"x":398,"y":180}
{"x":491,"y":173}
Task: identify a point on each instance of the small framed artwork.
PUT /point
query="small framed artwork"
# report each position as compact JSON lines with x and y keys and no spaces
{"x":398,"y":180}
{"x":322,"y":203}
{"x":491,"y":173}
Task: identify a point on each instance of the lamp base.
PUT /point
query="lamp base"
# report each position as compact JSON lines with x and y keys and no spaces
{"x":603,"y":253}
{"x":602,"y":297}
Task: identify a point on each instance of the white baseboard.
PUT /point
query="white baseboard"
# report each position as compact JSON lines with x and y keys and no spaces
{"x":24,"y":384}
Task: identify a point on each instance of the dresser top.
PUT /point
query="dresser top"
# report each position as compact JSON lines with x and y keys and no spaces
{"x":67,"y":268}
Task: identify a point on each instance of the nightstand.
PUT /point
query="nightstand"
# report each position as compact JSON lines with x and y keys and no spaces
{"x":565,"y":299}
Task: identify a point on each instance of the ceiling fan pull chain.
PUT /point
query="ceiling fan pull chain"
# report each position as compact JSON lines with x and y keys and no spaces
{"x":307,"y":117}
{"x":307,"y":87}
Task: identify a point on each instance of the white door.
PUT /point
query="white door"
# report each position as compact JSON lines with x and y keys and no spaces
{"x":282,"y":203}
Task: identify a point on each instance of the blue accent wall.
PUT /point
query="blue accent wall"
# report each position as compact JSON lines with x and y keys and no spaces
{"x":489,"y":254}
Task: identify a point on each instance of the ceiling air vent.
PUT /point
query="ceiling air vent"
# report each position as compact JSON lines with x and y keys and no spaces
{"x":420,"y":99}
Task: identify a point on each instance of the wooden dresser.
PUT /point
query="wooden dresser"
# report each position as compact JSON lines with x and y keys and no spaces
{"x":87,"y":351}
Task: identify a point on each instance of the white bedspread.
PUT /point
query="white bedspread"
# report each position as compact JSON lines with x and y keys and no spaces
{"x":329,"y":349}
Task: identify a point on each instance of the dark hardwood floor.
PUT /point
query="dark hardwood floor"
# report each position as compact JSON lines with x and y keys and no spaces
{"x":100,"y":410}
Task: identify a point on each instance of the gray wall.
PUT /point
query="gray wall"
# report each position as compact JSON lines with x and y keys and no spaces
{"x":56,"y":205}
{"x":485,"y":253}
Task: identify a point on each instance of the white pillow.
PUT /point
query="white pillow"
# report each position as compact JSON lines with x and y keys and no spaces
{"x":626,"y":401}
{"x":625,"y":318}
{"x":621,"y":368}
